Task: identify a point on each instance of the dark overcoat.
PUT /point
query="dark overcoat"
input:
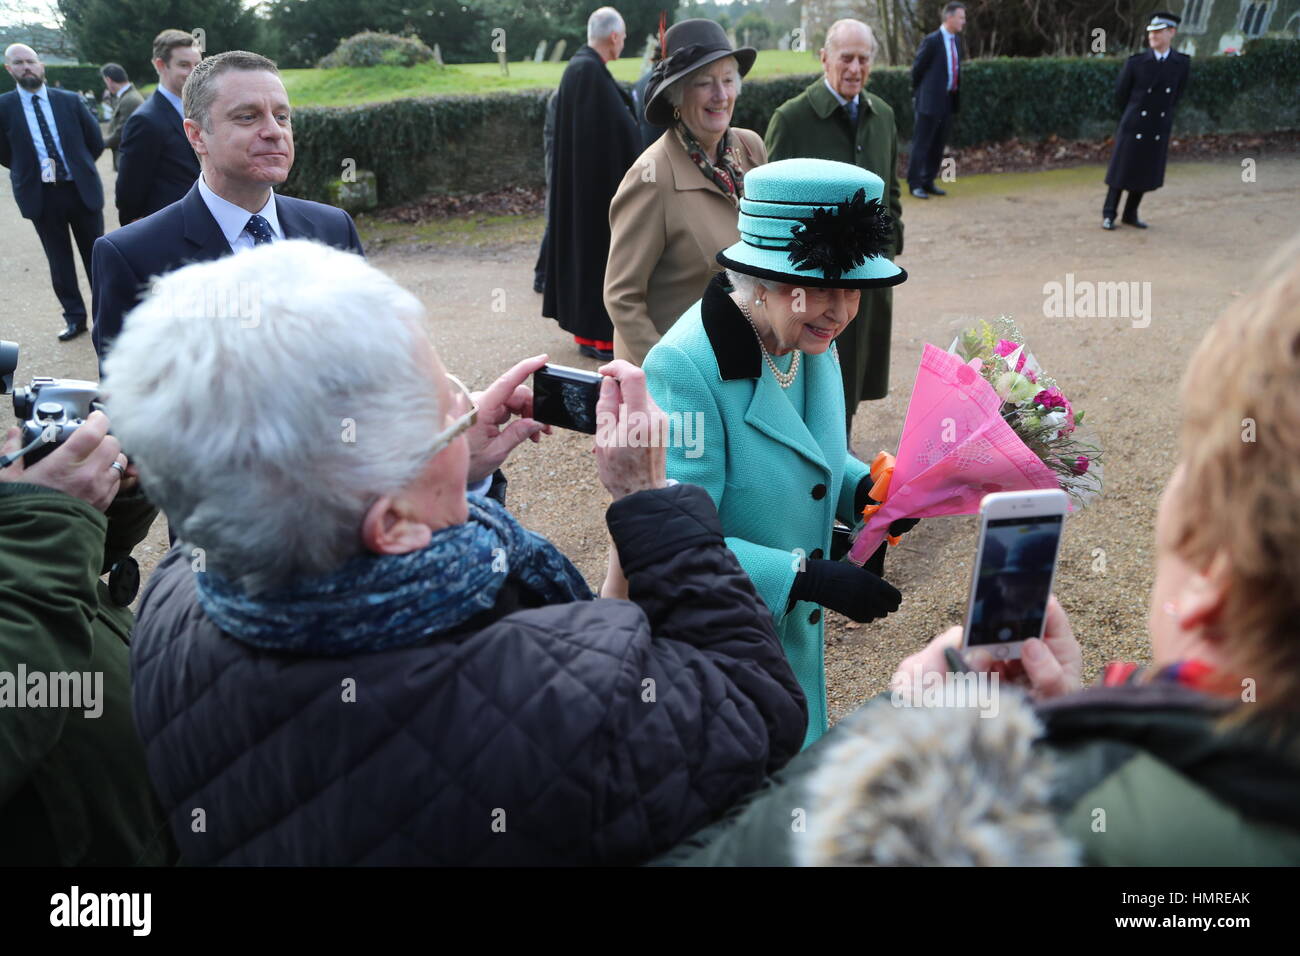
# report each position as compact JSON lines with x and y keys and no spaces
{"x":1147,"y":91}
{"x":596,"y":140}
{"x":814,"y":124}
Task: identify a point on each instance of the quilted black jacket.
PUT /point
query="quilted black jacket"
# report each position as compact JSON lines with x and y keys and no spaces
{"x":593,"y":732}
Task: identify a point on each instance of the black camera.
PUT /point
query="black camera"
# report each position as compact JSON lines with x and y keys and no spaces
{"x":49,"y":407}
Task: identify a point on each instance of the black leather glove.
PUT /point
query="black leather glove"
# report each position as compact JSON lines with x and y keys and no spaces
{"x":876,"y":563}
{"x":854,"y":592}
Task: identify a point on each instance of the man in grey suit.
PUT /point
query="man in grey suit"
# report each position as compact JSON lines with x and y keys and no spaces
{"x":126,"y":100}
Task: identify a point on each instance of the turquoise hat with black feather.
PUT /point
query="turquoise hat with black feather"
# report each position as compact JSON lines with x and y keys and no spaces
{"x":815,"y":222}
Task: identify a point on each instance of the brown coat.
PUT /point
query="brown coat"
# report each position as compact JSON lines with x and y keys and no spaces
{"x":667,"y":223}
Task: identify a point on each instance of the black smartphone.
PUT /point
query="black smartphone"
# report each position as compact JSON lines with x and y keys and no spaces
{"x":566,"y":397}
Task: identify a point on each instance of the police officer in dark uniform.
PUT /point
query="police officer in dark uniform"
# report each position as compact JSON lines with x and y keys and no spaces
{"x":1148,"y":89}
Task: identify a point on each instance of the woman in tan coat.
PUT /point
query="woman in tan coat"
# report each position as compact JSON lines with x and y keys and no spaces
{"x":676,"y":207}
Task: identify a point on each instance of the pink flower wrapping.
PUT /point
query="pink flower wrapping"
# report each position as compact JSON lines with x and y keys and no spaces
{"x":955,"y":448}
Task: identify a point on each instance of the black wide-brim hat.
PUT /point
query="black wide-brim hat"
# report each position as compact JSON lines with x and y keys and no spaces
{"x":688,"y":45}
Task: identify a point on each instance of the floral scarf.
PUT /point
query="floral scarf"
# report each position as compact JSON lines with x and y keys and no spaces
{"x":726,"y":174}
{"x":376,"y":602}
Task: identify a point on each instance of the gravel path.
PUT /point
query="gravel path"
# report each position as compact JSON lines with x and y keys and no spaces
{"x":986,"y":249}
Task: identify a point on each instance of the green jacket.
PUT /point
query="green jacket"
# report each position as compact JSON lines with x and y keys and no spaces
{"x":74,"y":789}
{"x":814,"y":125}
{"x":124,"y":105}
{"x":1139,"y":775}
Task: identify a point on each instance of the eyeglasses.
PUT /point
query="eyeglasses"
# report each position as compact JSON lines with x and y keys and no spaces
{"x":461,"y":424}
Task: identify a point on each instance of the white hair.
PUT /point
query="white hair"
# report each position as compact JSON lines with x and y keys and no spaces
{"x":676,"y":90}
{"x":748,"y":286}
{"x":268,"y":399}
{"x":602,"y":23}
{"x":840,"y":25}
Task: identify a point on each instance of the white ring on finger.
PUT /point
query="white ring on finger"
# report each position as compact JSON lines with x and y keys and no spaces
{"x":119,"y":468}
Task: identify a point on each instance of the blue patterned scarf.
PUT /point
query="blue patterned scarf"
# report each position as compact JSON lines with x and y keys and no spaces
{"x":375,"y":602}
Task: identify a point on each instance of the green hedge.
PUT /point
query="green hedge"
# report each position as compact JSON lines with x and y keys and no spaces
{"x":76,"y":78}
{"x":453,"y":144}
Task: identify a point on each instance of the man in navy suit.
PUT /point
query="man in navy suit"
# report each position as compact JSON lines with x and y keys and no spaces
{"x":49,"y":142}
{"x":936,"y":79}
{"x":155,"y":163}
{"x":237,"y":119}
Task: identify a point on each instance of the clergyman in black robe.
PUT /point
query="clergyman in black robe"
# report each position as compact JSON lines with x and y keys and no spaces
{"x":596,"y":141}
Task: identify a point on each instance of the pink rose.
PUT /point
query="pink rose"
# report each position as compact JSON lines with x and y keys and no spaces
{"x":1080,"y":465}
{"x":1005,"y":347}
{"x":1029,"y":374}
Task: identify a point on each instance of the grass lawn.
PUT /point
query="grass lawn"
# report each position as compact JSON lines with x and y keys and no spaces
{"x":350,"y":86}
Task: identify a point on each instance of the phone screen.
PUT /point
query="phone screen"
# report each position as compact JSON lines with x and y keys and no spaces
{"x":566,"y":397}
{"x":1015,"y":579}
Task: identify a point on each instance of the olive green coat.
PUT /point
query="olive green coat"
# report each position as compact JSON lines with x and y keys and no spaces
{"x":814,"y":125}
{"x":74,"y":788}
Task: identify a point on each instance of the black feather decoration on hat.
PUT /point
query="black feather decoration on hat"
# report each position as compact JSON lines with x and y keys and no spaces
{"x":838,"y":239}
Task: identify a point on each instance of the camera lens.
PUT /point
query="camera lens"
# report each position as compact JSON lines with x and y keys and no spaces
{"x":8,"y":362}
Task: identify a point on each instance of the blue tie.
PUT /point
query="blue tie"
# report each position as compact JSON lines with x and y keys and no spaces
{"x":259,"y":229}
{"x":60,"y":171}
{"x":853,"y":111}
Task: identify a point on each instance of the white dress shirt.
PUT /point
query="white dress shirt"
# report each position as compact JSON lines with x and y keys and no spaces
{"x":173,"y":99}
{"x":29,"y":113}
{"x":949,"y":51}
{"x":233,"y":220}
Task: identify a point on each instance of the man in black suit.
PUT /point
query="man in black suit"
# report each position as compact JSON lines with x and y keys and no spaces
{"x":155,"y":163}
{"x":49,"y":143}
{"x":237,"y":120}
{"x":936,"y":79}
{"x":1148,"y":88}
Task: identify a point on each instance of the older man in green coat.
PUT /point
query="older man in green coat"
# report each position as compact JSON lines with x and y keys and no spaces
{"x":836,"y":118}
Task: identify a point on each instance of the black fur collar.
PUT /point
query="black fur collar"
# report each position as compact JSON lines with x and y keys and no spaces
{"x":734,"y":343}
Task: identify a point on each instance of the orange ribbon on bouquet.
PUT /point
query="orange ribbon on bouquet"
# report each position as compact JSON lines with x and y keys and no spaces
{"x":882,"y":470}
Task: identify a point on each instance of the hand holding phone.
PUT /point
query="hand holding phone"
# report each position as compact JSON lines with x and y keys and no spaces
{"x":630,"y":456}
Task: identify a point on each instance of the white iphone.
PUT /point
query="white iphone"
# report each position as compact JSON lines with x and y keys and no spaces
{"x":1020,"y":535}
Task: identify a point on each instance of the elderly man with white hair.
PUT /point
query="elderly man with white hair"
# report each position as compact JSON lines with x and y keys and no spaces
{"x":837,"y":118}
{"x":346,"y":658}
{"x":595,"y":140}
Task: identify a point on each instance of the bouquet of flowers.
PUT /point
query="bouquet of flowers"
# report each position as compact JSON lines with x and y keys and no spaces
{"x":983,"y":417}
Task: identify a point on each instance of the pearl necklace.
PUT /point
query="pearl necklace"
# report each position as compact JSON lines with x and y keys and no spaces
{"x":784,"y":379}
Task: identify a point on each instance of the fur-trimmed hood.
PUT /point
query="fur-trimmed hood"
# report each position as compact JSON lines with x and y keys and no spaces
{"x":934,"y":786}
{"x":896,"y":785}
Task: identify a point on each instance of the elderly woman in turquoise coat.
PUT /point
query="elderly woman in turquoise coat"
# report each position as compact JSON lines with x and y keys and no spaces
{"x":753,"y":367}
